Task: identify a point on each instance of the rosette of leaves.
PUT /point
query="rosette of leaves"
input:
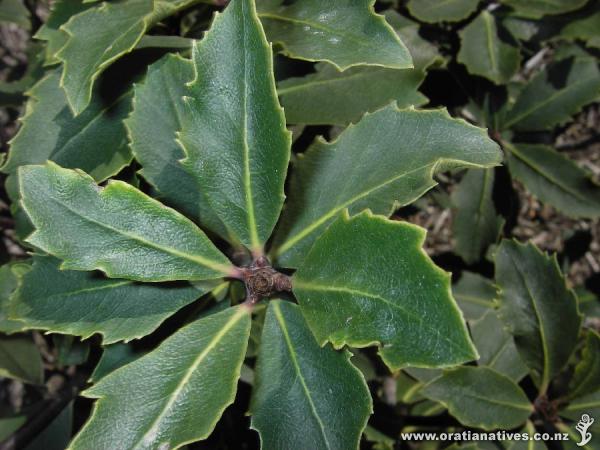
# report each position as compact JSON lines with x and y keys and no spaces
{"x":211,"y":138}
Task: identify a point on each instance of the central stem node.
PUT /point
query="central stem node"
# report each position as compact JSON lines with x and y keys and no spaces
{"x":262,"y":280}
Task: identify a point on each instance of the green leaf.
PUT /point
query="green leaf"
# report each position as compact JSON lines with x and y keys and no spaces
{"x":83,"y":303}
{"x":100,"y":35}
{"x":586,"y":379}
{"x":385,"y":161}
{"x":586,"y":28}
{"x":8,"y":425}
{"x":95,"y":141}
{"x":587,"y":404}
{"x":152,"y":132}
{"x":484,"y":53}
{"x":116,"y":229}
{"x":554,"y":179}
{"x":574,"y":438}
{"x":57,"y":434}
{"x":367,"y":281}
{"x":14,"y":11}
{"x":535,"y":9}
{"x":97,"y":37}
{"x":527,"y":444}
{"x":326,"y":402}
{"x":175,"y":394}
{"x":342,"y":33}
{"x":234,"y":135}
{"x":480,"y":397}
{"x":20,"y":359}
{"x":496,"y":347}
{"x":537,"y":309}
{"x":433,"y":11}
{"x":588,"y":303}
{"x":474,"y":294}
{"x":9,"y":280}
{"x":475,"y":225}
{"x":60,"y":13}
{"x":371,"y":87}
{"x":113,"y":357}
{"x":555,"y":94}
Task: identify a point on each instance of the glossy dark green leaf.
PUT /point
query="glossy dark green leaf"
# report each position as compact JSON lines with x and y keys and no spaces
{"x":116,"y":229}
{"x":20,"y":359}
{"x":537,"y":309}
{"x":484,"y":53}
{"x":324,"y":405}
{"x":234,"y":135}
{"x":586,"y":28}
{"x":496,"y":347}
{"x":480,"y":397}
{"x":555,"y":179}
{"x":9,"y":279}
{"x":586,"y":379}
{"x":432,"y":11}
{"x":535,"y":9}
{"x":474,"y":294}
{"x":114,"y":356}
{"x":367,"y":281}
{"x":85,"y":303}
{"x":342,"y":33}
{"x":371,"y":87}
{"x":153,"y":132}
{"x":95,"y":141}
{"x":555,"y":94}
{"x":175,"y":394}
{"x":475,"y":225}
{"x":385,"y":161}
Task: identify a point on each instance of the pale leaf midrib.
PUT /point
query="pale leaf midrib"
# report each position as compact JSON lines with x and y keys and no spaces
{"x":532,"y":164}
{"x":96,"y":117}
{"x":339,"y":79}
{"x":542,"y":332}
{"x":85,"y":290}
{"x":294,"y":359}
{"x":252,"y":227}
{"x":171,"y":251}
{"x":188,"y":373}
{"x":543,"y":103}
{"x":308,"y":229}
{"x":524,"y":407}
{"x":298,"y":284}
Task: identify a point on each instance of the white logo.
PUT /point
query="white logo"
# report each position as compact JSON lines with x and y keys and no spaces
{"x":584,"y":423}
